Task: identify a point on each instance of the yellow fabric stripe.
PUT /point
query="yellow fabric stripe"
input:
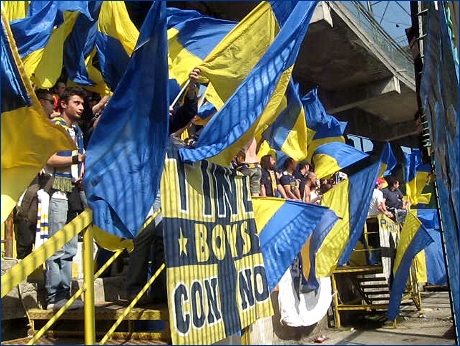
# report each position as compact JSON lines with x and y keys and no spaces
{"x":114,"y":21}
{"x":264,"y":149}
{"x":410,"y":228}
{"x":330,"y":251}
{"x":325,"y":165}
{"x":236,"y":55}
{"x":260,"y":125}
{"x":305,"y":254}
{"x":15,"y":9}
{"x":264,"y":209}
{"x":110,"y":241}
{"x":44,"y":66}
{"x":295,"y":145}
{"x":182,"y":61}
{"x":314,"y":144}
{"x":28,"y":139}
{"x":420,"y":267}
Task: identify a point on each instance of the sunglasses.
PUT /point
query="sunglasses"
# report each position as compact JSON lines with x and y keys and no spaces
{"x":49,"y":100}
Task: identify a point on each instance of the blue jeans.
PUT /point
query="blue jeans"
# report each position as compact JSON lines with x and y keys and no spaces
{"x":58,"y":271}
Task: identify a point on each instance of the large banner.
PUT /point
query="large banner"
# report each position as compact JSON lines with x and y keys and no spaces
{"x":215,"y":271}
{"x":389,"y":233}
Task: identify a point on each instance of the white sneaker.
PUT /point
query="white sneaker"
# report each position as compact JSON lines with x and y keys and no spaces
{"x":78,"y":304}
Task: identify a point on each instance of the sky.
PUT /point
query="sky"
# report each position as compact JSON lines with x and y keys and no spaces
{"x":393,"y":16}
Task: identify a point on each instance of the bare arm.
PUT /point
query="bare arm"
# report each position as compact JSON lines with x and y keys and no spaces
{"x":289,"y":193}
{"x":194,"y":76}
{"x":263,"y":192}
{"x":282,"y":191}
{"x":63,"y":161}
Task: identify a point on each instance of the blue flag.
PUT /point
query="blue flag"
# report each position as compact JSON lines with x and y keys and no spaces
{"x":125,"y":156}
{"x":284,"y":227}
{"x":414,"y":238}
{"x":324,"y":128}
{"x":79,"y":44}
{"x":241,"y":116}
{"x":332,"y":157}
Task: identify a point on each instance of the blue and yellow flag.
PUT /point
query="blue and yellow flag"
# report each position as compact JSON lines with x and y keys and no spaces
{"x":125,"y":155}
{"x":216,"y":278}
{"x":323,"y":128}
{"x":254,"y":104}
{"x":29,"y":138}
{"x":414,"y":238}
{"x":191,"y":38}
{"x":15,"y":9}
{"x":332,"y":157}
{"x":350,"y":200}
{"x":432,"y":257}
{"x":289,"y":133}
{"x":116,"y":38}
{"x":284,"y":226}
{"x":79,"y":45}
{"x":439,"y":99}
{"x":236,"y":56}
{"x":388,"y":160}
{"x":417,"y":176}
{"x":40,"y":37}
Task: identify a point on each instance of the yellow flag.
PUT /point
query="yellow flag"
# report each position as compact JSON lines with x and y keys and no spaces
{"x":29,"y":138}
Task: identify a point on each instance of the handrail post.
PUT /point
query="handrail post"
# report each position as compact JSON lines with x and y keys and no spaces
{"x":88,"y":284}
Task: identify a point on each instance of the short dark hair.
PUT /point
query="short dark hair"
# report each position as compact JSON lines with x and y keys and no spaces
{"x":71,"y":91}
{"x":42,"y":93}
{"x":288,"y":162}
{"x":391,"y":180}
{"x":303,"y":164}
{"x":265,"y":161}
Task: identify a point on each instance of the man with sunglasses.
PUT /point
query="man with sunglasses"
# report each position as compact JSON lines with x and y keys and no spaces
{"x":27,"y":208}
{"x":46,"y":100}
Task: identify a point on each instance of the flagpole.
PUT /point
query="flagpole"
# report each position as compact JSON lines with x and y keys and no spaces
{"x":180,"y":93}
{"x":201,"y":100}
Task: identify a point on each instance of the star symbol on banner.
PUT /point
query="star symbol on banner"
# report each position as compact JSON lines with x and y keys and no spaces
{"x":182,"y":243}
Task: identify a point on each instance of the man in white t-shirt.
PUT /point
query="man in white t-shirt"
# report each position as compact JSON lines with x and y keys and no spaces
{"x":377,"y":206}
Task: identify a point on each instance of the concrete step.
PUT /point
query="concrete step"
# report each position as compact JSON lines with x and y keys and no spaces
{"x":30,"y":293}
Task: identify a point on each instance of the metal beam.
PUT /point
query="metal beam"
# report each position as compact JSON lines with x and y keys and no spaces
{"x":345,"y":100}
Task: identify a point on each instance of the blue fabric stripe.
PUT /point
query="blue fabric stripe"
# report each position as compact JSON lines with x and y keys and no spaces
{"x":33,"y":32}
{"x":282,"y":10}
{"x":286,"y":232}
{"x":113,"y":59}
{"x":344,"y":154}
{"x":79,"y":45}
{"x":14,"y":94}
{"x":388,"y":158}
{"x":325,"y":125}
{"x":420,"y":241}
{"x":361,"y":186}
{"x":278,"y":132}
{"x":249,"y":100}
{"x":126,"y":152}
{"x":198,"y":34}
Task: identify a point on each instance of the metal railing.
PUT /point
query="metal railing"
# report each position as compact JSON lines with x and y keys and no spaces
{"x":401,"y":56}
{"x":82,"y":223}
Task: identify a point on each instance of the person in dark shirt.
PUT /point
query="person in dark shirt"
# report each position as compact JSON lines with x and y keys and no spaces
{"x":269,"y":183}
{"x":301,"y":175}
{"x":290,"y":184}
{"x":394,"y":199}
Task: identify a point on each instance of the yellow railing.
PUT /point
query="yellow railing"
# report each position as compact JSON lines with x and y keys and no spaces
{"x":20,"y":271}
